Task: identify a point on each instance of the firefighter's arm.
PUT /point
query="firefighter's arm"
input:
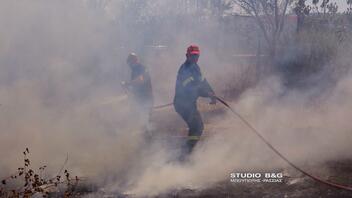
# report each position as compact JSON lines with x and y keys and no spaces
{"x":139,"y":80}
{"x":207,"y":91}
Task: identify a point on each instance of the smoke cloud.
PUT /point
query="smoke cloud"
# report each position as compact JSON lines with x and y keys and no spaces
{"x":61,"y":63}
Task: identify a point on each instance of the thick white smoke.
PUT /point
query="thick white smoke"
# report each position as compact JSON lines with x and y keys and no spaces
{"x":61,"y":63}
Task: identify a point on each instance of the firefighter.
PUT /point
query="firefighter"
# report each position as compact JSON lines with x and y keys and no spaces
{"x":140,"y":87}
{"x":190,"y":85}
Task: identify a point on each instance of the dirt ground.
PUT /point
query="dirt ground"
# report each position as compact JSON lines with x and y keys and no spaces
{"x":294,"y":187}
{"x":294,"y":184}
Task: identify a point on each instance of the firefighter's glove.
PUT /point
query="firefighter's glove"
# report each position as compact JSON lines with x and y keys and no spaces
{"x":212,"y":98}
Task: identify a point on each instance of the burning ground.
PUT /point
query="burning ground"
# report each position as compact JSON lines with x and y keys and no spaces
{"x":61,"y":63}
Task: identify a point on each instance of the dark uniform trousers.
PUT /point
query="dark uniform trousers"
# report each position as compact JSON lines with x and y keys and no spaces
{"x":195,"y":125}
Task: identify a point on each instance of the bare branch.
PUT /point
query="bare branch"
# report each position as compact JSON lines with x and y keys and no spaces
{"x":283,"y":15}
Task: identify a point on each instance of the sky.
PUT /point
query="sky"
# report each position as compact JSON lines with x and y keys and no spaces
{"x":61,"y":64}
{"x":342,"y":5}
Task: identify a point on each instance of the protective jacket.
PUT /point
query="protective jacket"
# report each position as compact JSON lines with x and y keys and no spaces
{"x":190,"y":85}
{"x":142,"y":90}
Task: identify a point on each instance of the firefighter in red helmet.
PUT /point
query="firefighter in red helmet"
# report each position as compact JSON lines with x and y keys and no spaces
{"x":190,"y":85}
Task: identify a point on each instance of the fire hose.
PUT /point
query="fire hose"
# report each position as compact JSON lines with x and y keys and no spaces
{"x":162,"y":106}
{"x":339,"y":186}
{"x":255,"y":131}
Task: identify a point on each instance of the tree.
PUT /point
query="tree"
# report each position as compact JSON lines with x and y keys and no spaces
{"x":326,"y":6}
{"x":270,"y":17}
{"x":301,"y":10}
{"x":349,"y":9}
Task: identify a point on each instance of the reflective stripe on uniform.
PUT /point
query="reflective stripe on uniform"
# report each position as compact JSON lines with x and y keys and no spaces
{"x":188,"y":80}
{"x":193,"y":137}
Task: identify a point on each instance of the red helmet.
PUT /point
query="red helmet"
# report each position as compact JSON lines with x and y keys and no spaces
{"x":193,"y":49}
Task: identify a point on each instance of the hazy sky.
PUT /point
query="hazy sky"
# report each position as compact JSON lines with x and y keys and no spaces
{"x":341,"y":3}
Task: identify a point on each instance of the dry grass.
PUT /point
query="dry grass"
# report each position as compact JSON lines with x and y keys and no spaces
{"x":28,"y":182}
